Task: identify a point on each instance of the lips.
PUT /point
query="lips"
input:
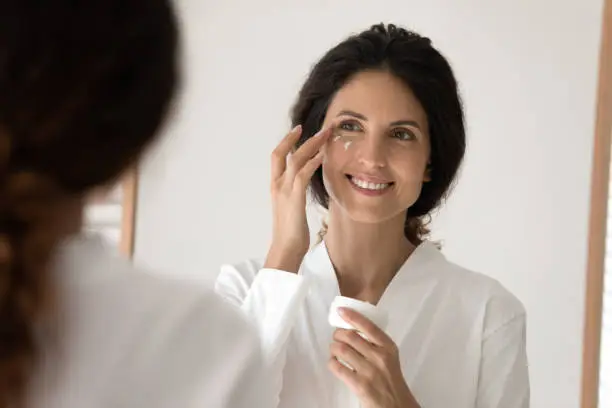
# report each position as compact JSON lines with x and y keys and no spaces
{"x":369,"y":183}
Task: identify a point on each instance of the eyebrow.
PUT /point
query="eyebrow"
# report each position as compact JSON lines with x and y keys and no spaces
{"x":362,"y":117}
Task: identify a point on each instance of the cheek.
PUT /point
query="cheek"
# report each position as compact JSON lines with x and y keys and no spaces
{"x":411,"y":168}
{"x":415,"y":173}
{"x":335,"y":160}
{"x":337,"y":154}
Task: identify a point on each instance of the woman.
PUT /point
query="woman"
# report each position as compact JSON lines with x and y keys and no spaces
{"x":391,"y":141}
{"x":84,"y":87}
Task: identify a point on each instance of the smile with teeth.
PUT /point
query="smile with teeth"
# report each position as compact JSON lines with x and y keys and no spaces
{"x":368,"y":185}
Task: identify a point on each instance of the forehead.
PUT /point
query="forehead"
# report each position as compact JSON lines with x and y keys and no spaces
{"x":380,"y":96}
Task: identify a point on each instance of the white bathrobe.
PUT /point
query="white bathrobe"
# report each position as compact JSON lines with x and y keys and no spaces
{"x":126,"y":338}
{"x":461,"y":335}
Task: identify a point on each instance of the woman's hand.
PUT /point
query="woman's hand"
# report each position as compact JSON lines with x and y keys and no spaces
{"x":291,"y":173}
{"x":377,"y":378}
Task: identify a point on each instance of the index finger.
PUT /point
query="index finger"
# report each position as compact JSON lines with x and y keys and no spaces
{"x":309,"y":148}
{"x":282,"y":150}
{"x":364,"y":325}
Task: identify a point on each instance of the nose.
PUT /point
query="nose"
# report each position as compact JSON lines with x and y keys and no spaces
{"x":371,"y":152}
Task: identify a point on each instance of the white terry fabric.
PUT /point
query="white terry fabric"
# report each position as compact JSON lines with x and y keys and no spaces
{"x":126,"y":338}
{"x":461,"y":335}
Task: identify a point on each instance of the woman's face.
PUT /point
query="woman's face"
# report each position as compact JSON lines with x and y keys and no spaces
{"x":376,"y":160}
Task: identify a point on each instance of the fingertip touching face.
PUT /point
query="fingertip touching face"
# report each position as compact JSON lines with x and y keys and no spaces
{"x":376,"y":160}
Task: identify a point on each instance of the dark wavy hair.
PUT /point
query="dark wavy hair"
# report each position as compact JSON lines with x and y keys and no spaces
{"x":84,"y":87}
{"x":413,"y":59}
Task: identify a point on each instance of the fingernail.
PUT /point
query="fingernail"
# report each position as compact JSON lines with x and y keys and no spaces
{"x":342,"y":311}
{"x":297,"y":128}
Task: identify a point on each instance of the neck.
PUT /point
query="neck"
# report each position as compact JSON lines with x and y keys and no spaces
{"x":366,"y":256}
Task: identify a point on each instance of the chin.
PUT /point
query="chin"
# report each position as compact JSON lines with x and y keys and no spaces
{"x":374,"y":215}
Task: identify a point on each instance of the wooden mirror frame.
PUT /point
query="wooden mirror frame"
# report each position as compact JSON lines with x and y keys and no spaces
{"x":598,"y":219}
{"x":128,"y":216}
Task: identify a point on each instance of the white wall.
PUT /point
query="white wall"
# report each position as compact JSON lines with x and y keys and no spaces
{"x":528,"y":70}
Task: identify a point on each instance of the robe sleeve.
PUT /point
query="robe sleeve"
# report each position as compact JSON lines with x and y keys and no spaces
{"x":271,"y":300}
{"x":504,"y":373}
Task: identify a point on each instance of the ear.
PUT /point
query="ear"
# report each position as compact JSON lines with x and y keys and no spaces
{"x":427,"y":174}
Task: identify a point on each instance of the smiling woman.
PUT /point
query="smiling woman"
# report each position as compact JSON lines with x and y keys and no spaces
{"x":379,"y":137}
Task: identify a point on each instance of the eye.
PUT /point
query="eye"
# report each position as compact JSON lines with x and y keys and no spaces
{"x":403,"y":134}
{"x":349,"y":127}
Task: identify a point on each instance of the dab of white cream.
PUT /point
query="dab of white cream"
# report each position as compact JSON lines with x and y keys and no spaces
{"x":347,"y":140}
